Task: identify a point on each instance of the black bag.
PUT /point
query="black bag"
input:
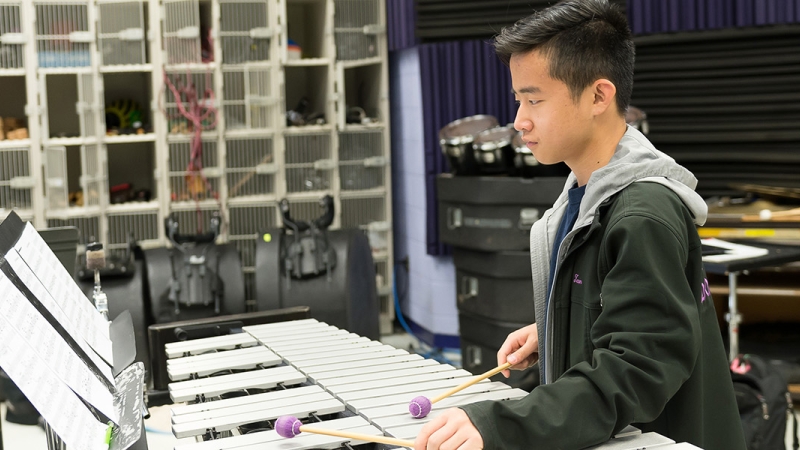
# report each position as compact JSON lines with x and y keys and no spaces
{"x":762,"y":395}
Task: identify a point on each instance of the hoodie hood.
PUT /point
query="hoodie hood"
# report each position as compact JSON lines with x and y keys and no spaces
{"x":636,"y":159}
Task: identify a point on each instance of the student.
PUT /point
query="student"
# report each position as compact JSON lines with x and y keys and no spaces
{"x":625,"y":334}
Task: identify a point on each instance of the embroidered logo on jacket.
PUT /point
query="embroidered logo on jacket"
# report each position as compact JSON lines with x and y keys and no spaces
{"x":705,"y":291}
{"x":577,"y":279}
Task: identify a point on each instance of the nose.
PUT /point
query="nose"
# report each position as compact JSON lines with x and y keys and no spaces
{"x":522,"y":123}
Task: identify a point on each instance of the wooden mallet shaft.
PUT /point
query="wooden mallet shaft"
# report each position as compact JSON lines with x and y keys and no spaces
{"x":469,"y":383}
{"x":357,"y":436}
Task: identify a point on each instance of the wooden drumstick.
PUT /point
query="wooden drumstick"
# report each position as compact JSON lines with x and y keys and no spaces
{"x":421,"y":406}
{"x":290,"y":426}
{"x":788,"y":215}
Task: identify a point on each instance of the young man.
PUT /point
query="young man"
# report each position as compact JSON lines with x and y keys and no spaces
{"x":624,"y":332}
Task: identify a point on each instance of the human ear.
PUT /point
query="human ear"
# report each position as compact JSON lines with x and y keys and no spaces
{"x":604,"y":93}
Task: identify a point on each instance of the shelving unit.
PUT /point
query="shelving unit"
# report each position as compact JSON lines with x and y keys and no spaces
{"x":87,"y":79}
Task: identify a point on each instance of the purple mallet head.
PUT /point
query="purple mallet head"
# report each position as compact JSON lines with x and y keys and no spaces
{"x":419,"y":407}
{"x":288,"y":426}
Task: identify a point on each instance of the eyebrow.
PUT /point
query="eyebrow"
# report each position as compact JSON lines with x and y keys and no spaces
{"x":527,"y":90}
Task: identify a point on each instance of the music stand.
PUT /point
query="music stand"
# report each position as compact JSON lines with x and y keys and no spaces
{"x":776,"y":255}
{"x":50,"y":343}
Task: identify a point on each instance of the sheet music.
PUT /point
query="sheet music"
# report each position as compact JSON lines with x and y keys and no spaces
{"x":76,"y":307}
{"x":78,"y":333}
{"x":732,"y":251}
{"x":62,"y":409}
{"x":37,"y":333}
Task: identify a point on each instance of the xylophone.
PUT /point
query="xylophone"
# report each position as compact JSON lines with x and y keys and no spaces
{"x":237,"y":386}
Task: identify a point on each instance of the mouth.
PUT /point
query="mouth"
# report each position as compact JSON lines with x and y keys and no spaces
{"x":531,"y":144}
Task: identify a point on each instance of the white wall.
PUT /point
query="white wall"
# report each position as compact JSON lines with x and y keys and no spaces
{"x":431,"y":299}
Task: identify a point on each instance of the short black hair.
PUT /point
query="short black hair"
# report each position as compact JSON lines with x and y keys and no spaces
{"x":583,"y":40}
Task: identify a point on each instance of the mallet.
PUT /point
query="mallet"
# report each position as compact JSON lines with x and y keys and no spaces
{"x":420,"y":406}
{"x":290,"y":426}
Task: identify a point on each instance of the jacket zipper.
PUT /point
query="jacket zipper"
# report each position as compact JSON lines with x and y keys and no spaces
{"x":764,"y":407}
{"x":549,"y":327}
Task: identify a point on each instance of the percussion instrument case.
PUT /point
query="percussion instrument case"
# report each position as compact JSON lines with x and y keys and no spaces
{"x":481,"y":338}
{"x":494,"y":285}
{"x":346,"y":295}
{"x":492,"y":213}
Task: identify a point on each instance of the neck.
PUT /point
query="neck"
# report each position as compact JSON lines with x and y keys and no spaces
{"x":599,"y":149}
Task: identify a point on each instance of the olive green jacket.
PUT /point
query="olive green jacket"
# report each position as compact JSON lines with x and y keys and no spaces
{"x":632,"y":336}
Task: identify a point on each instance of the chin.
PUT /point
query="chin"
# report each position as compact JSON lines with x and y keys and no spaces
{"x":544,"y":160}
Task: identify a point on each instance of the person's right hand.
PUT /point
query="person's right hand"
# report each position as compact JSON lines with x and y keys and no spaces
{"x":521,"y":349}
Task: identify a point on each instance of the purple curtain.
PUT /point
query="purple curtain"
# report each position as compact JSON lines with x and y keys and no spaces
{"x":663,"y":16}
{"x":459,"y":79}
{"x":401,"y":20}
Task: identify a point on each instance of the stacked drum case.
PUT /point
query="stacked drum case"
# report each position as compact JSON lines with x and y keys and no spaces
{"x":496,"y":190}
{"x":487,"y":220}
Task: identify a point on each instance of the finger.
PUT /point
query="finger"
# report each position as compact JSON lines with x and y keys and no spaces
{"x":512,"y":343}
{"x":441,"y":439}
{"x":461,"y":439}
{"x":523,"y":355}
{"x":421,"y":442}
{"x":471,"y":444}
{"x":508,"y":351}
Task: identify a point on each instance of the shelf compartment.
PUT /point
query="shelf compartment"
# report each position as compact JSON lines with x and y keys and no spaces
{"x":122,"y":32}
{"x":143,"y":225}
{"x":362,"y":164}
{"x":132,"y":164}
{"x":248,"y":98}
{"x":308,"y":162}
{"x":12,"y":38}
{"x":357,"y":29}
{"x":307,"y":92}
{"x":13,"y":99}
{"x":67,"y":94}
{"x":250,"y":166}
{"x":186,"y":185}
{"x":363,"y":94}
{"x":127,"y":101}
{"x":244,"y":31}
{"x":358,"y":176}
{"x":361,"y":211}
{"x":306,"y":21}
{"x":62,"y":34}
{"x":202,"y":80}
{"x":187,"y":27}
{"x":16,"y":182}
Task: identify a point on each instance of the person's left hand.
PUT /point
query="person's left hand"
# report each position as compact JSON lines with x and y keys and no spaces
{"x":450,"y":431}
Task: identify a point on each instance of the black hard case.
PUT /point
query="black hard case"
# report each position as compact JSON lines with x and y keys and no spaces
{"x":492,"y":213}
{"x":494,"y":285}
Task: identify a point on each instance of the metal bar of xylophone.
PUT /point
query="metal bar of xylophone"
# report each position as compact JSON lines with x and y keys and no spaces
{"x":236,"y":387}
